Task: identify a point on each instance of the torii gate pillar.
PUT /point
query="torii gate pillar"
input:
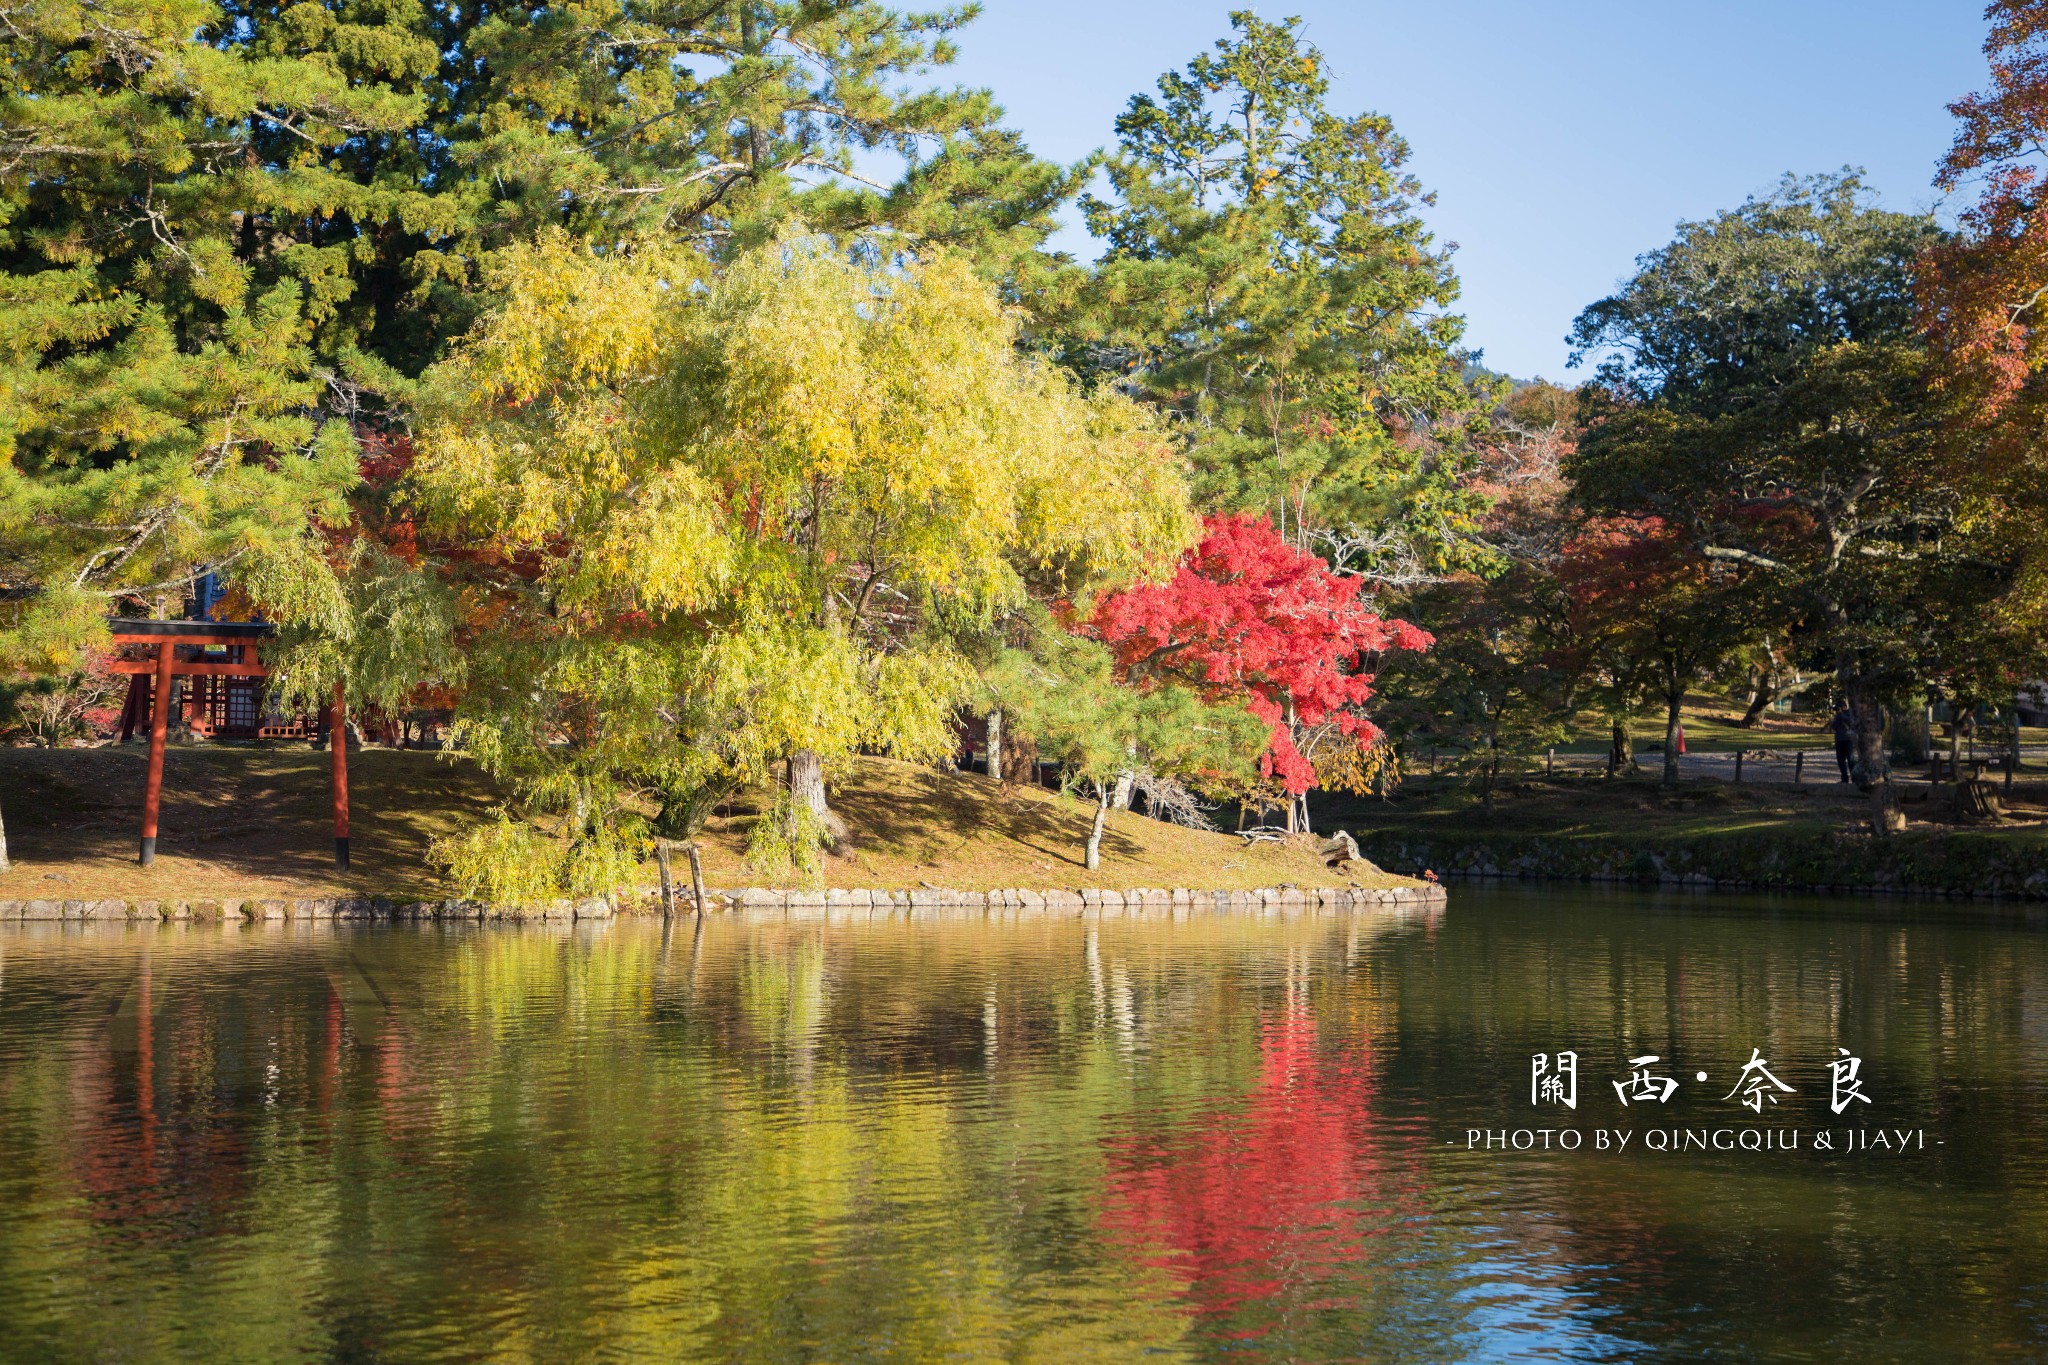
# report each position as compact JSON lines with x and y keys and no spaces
{"x":337,"y":743}
{"x":159,"y":719}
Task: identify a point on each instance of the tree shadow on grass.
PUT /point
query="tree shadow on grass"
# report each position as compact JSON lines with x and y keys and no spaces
{"x":931,"y":815}
{"x":258,"y":812}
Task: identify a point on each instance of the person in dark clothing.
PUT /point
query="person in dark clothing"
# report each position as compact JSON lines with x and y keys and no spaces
{"x":1844,"y":726}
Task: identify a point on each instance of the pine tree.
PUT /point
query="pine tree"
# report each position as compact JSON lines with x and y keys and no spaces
{"x":1066,"y":696}
{"x":230,"y":235}
{"x":165,"y":402}
{"x":1268,"y":280}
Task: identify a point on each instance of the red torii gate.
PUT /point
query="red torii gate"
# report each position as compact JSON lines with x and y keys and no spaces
{"x":238,"y":640}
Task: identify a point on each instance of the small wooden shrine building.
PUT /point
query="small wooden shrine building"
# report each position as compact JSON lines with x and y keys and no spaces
{"x":222,"y":698}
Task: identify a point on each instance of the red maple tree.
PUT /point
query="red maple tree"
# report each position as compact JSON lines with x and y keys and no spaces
{"x":1984,"y":292}
{"x":1620,"y":565}
{"x":1248,"y":615}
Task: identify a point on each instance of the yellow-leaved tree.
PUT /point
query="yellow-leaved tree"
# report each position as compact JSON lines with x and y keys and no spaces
{"x":701,"y":512}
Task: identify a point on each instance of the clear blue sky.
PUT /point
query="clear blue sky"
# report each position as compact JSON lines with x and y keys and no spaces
{"x":1561,"y":138}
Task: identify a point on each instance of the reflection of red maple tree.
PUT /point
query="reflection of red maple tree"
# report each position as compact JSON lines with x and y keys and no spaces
{"x":1278,"y":1197}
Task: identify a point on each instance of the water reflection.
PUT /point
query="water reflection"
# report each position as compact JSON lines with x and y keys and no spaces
{"x":1042,"y":1140}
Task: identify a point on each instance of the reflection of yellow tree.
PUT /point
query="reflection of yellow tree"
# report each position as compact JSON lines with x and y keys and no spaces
{"x":794,"y":1141}
{"x":758,"y":1143}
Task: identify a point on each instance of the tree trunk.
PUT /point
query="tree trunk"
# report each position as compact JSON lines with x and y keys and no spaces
{"x":697,"y":877}
{"x":3,"y":841}
{"x":1093,"y":858}
{"x":1621,"y":757}
{"x":1020,"y":761}
{"x":757,"y":136}
{"x":1674,"y":705}
{"x":807,"y":793}
{"x":995,"y":744}
{"x":1872,"y":762}
{"x":1126,"y":783}
{"x":668,"y":886}
{"x":1871,"y":770}
{"x":1766,"y":692}
{"x":1975,"y":800}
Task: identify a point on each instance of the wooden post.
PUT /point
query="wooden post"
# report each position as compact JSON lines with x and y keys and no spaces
{"x":159,"y":719}
{"x":132,"y":709}
{"x":697,"y":878}
{"x":668,"y":889}
{"x":337,"y":743}
{"x":1799,"y":768}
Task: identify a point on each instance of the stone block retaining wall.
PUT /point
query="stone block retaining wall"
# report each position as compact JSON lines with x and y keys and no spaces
{"x":1953,"y":866}
{"x":927,"y":903}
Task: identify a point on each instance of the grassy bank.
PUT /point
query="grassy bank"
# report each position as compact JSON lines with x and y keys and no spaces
{"x":255,"y":822}
{"x":1714,"y":726}
{"x":1813,"y":837}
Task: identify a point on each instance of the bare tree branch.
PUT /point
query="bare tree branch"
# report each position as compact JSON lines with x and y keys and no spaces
{"x":1746,"y":557}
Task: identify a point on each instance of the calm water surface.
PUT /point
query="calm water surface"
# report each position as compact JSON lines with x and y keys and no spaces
{"x":1241,"y":1139}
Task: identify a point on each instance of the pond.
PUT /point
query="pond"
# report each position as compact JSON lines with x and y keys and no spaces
{"x":1220,"y":1137}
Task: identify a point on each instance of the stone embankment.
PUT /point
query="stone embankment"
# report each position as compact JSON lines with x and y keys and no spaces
{"x":1960,"y":866}
{"x":932,"y":903}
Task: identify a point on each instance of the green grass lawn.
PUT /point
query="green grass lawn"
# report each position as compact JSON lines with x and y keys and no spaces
{"x":1713,"y":726}
{"x":1815,"y":837}
{"x":1590,"y":809}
